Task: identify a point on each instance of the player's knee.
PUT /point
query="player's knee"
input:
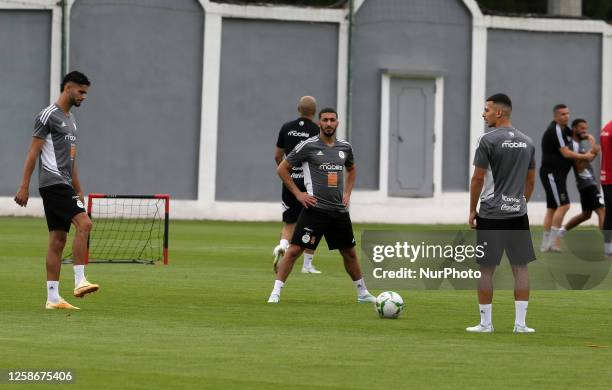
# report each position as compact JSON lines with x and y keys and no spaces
{"x":293,"y":252}
{"x":349,"y":255}
{"x":85,"y":226}
{"x":57,"y":244}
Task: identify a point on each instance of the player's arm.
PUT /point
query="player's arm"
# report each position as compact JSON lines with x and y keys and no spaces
{"x":594,"y":147}
{"x":351,"y":174}
{"x":23,"y":193}
{"x":476,"y":184}
{"x":76,"y":183}
{"x":529,"y":183}
{"x":569,"y":154}
{"x":279,"y":153}
{"x":284,"y":172}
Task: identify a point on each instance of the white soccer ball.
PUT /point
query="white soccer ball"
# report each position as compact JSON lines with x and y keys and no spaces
{"x":389,"y":304}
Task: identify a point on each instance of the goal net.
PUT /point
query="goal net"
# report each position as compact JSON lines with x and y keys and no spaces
{"x":128,"y":228}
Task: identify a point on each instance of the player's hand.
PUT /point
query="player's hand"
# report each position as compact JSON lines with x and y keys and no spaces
{"x":22,"y":196}
{"x":472,"y":219}
{"x":346,"y":199}
{"x":306,"y":200}
{"x":590,"y":155}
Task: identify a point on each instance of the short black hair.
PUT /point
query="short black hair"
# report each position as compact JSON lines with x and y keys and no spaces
{"x":559,"y":106}
{"x":327,"y":110}
{"x":578,"y":121}
{"x":500,"y":98}
{"x":76,"y":77}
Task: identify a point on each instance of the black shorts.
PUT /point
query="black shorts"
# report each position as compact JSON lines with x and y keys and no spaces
{"x":555,"y":187}
{"x":291,"y":206}
{"x":61,"y":205}
{"x":590,"y":198}
{"x":607,"y":193}
{"x":335,"y":226}
{"x":511,"y":235}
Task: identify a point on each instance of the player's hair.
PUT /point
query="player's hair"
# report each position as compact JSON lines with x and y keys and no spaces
{"x":76,"y":77}
{"x":307,"y":106}
{"x":503,"y":102}
{"x":327,"y":110}
{"x":578,"y":121}
{"x":500,"y":98}
{"x":558,"y":107}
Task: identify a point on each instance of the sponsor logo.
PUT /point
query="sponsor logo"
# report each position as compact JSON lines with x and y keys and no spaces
{"x":308,"y":229}
{"x":510,"y":199}
{"x":330,"y":167}
{"x":301,"y":123}
{"x":511,"y":208}
{"x":513,"y":144}
{"x":80,"y":204}
{"x":305,"y":238}
{"x":64,"y":124}
{"x":298,"y":134}
{"x":297,"y":175}
{"x":319,"y":153}
{"x":511,"y":133}
{"x":341,"y":154}
{"x":69,"y":137}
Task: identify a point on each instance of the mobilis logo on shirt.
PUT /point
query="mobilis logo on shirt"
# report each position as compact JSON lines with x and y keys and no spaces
{"x":298,"y":134}
{"x":331,"y":167}
{"x":512,"y":145}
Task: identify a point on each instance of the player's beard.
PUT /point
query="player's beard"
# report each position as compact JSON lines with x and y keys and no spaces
{"x":325,"y":131}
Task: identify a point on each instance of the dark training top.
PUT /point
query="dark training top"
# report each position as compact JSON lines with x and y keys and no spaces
{"x":291,"y":134}
{"x":554,"y":138}
{"x":323,"y":168}
{"x":56,"y":160}
{"x":507,"y":155}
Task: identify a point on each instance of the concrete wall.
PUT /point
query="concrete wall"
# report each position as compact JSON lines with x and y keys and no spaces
{"x":265,"y":67}
{"x":538,"y":70}
{"x":140,"y":128}
{"x":412,"y":36}
{"x":25,"y":39}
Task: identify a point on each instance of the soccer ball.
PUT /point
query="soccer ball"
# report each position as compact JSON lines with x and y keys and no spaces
{"x":389,"y":304}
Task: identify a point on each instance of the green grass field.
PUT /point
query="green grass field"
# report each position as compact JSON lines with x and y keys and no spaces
{"x":203,"y":322}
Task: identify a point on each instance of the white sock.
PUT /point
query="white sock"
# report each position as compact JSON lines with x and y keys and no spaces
{"x":308,"y":259}
{"x":546,"y":238}
{"x":361,"y":287}
{"x":485,"y":314}
{"x":608,"y":247}
{"x":284,"y":243}
{"x":520,"y":308}
{"x":554,"y":234}
{"x":562,"y":232}
{"x":53,"y":291}
{"x":278,"y":286}
{"x":79,"y":274}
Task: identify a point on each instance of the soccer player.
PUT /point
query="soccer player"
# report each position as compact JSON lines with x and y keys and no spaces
{"x":504,"y":164}
{"x":291,"y":134}
{"x":606,"y":183}
{"x":590,"y":197}
{"x":325,"y":201}
{"x":54,"y":145}
{"x":557,"y":161}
